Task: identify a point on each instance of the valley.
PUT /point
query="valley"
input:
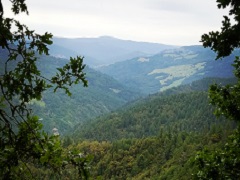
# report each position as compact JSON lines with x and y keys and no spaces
{"x":165,"y":120}
{"x":113,"y":86}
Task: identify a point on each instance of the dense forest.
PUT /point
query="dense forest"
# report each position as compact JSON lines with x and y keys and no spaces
{"x":156,"y":137}
{"x":181,"y":112}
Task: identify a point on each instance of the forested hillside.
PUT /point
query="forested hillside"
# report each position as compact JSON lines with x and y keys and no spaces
{"x":56,"y":110}
{"x":156,"y":137}
{"x":170,"y":68}
{"x":186,"y":110}
{"x":103,"y":95}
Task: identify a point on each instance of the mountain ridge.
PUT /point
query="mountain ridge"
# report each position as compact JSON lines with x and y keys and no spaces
{"x":107,"y":50}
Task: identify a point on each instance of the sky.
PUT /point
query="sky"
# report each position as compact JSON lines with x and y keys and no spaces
{"x":173,"y":22}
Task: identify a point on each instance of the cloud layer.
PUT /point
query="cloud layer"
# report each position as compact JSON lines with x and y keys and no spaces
{"x":164,"y":21}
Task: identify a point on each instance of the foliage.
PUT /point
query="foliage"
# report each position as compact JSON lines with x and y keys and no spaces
{"x":225,"y":41}
{"x":224,"y":164}
{"x":221,"y":164}
{"x":165,"y":156}
{"x":29,"y":145}
{"x":226,"y":98}
{"x":21,"y":138}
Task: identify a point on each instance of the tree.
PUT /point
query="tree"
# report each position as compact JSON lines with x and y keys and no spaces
{"x":226,"y":98}
{"x":224,"y":163}
{"x":22,"y":141}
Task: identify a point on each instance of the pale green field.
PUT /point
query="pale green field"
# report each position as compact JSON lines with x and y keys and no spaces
{"x":181,"y":71}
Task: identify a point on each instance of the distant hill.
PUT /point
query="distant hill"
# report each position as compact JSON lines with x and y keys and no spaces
{"x":104,"y":50}
{"x":169,"y":68}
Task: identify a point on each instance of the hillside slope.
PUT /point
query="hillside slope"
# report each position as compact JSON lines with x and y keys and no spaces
{"x":103,"y":94}
{"x":188,"y":110}
{"x":169,"y":68}
{"x":156,"y":137}
{"x":57,"y":110}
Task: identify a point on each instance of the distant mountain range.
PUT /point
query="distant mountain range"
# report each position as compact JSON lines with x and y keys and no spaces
{"x":169,"y":68}
{"x":145,"y":67}
{"x":104,"y":50}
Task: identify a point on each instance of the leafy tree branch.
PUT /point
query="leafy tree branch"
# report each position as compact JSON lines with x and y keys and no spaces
{"x":21,"y":137}
{"x":224,"y":163}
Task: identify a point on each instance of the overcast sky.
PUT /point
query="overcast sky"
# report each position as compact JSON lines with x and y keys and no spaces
{"x":175,"y":22}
